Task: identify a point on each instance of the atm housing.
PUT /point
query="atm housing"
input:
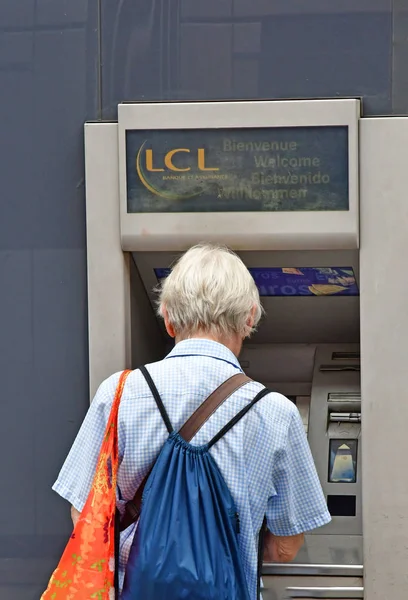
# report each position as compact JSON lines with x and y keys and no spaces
{"x":307,"y":347}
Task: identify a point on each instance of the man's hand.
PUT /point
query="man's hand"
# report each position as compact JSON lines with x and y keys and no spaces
{"x":75,"y":514}
{"x":282,"y":549}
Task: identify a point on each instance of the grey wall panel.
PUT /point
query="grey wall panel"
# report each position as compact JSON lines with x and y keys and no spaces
{"x":328,"y":55}
{"x":16,"y":406}
{"x":400,"y":58}
{"x":59,"y":289}
{"x":205,"y":69}
{"x":134,"y":56}
{"x":247,"y":37}
{"x":248,"y":8}
{"x":17,"y":145}
{"x":246,"y":77}
{"x":16,"y":48}
{"x":59,"y":112}
{"x":178,"y":50}
{"x":62,"y":13}
{"x":48,"y":88}
{"x":17,"y":14}
{"x":196,"y":9}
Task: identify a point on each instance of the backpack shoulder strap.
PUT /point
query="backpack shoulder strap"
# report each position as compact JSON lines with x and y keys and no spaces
{"x":187,"y":432}
{"x":158,"y":399}
{"x":238,"y":417}
{"x":210,"y":405}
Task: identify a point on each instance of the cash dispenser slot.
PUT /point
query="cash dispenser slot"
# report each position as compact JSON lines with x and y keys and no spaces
{"x":333,"y":368}
{"x":325,"y":593}
{"x":311,"y":570}
{"x":345,"y":356}
{"x":344,"y":407}
{"x":338,"y":417}
{"x":344,"y":397}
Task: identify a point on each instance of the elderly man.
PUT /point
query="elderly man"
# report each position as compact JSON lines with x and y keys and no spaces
{"x":209,"y":304}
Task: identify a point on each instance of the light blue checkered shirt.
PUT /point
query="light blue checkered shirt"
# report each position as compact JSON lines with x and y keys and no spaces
{"x":265,"y":459}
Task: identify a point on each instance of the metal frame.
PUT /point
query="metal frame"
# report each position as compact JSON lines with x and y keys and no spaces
{"x":108,"y":266}
{"x":325,"y":593}
{"x":305,"y":569}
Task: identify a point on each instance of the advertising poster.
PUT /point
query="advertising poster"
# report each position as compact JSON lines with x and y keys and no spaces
{"x":301,"y":281}
{"x":305,"y":281}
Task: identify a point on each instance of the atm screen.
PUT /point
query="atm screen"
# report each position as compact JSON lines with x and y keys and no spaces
{"x":343,"y":461}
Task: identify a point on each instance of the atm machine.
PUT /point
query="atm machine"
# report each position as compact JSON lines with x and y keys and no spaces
{"x":330,"y":563}
{"x":278,"y":182}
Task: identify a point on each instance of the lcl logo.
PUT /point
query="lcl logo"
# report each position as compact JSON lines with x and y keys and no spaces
{"x":156,"y":173}
{"x":152,"y":165}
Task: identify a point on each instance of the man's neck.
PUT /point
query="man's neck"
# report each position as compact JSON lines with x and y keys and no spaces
{"x":233,"y":342}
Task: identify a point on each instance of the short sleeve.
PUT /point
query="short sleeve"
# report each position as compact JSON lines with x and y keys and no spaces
{"x":76,"y":476}
{"x":298,"y":504}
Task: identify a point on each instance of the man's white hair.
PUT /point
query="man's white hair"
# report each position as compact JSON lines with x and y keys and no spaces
{"x":210,"y":290}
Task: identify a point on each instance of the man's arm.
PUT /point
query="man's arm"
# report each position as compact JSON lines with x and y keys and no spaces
{"x":76,"y":476}
{"x":282,"y":549}
{"x":298,"y":504}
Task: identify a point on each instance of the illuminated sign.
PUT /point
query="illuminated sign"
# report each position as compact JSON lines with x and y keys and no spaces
{"x":222,"y":170}
{"x":302,"y":281}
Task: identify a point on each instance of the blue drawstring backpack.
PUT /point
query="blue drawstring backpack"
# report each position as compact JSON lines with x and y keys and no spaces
{"x":186,"y":542}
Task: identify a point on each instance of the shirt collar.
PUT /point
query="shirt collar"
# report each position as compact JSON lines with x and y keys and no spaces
{"x":203,"y":347}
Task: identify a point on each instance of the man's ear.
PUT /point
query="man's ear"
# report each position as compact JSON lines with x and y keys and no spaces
{"x":169,"y":327}
{"x":251,"y":319}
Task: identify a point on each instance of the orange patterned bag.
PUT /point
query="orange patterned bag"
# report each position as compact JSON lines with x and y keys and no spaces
{"x":87,"y":567}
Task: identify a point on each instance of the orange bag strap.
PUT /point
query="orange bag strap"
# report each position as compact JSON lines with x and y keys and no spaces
{"x":113,"y":417}
{"x":113,"y":424}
